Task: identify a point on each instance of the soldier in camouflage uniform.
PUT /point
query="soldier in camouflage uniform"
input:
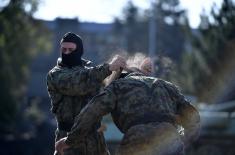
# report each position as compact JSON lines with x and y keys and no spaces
{"x":149,"y":111}
{"x":71,"y":84}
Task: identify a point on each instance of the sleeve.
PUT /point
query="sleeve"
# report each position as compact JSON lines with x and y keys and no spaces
{"x":77,"y":82}
{"x":99,"y":106}
{"x":189,"y":116}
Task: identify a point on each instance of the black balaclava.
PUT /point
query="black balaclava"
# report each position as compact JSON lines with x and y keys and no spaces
{"x":74,"y":58}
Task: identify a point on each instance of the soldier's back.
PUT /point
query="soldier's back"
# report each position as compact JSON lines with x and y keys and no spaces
{"x":145,"y":114}
{"x":142,"y":99}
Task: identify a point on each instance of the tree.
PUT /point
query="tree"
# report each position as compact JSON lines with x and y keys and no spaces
{"x":211,"y":54}
{"x":132,"y":28}
{"x":21,"y":37}
{"x":169,"y":20}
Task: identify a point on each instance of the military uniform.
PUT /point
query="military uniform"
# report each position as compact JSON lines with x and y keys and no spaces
{"x":70,"y":89}
{"x":147,"y":110}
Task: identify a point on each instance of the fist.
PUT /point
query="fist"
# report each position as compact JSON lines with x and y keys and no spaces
{"x":117,"y":63}
{"x":60,"y":146}
{"x":146,"y":66}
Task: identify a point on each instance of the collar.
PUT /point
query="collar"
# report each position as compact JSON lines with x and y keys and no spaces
{"x":135,"y":74}
{"x":84,"y":63}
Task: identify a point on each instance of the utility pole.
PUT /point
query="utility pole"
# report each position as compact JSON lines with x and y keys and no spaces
{"x":152,"y":30}
{"x":152,"y":35}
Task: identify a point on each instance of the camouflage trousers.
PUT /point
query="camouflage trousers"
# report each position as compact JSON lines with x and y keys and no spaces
{"x":94,"y":144}
{"x":151,"y":139}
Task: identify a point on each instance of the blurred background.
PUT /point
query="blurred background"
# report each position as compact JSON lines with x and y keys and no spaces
{"x":192,"y":44}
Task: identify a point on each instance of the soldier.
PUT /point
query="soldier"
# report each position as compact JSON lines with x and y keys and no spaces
{"x":71,"y":84}
{"x":153,"y":115}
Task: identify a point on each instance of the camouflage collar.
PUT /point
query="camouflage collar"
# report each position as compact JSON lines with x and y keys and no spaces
{"x":84,"y":63}
{"x":148,"y":80}
{"x":135,"y":74}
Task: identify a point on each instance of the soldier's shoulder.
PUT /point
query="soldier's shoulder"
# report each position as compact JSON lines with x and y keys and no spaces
{"x":55,"y":69}
{"x":117,"y":82}
{"x":51,"y":72}
{"x":166,"y":83}
{"x":161,"y":81}
{"x":87,"y":63}
{"x":125,"y":82}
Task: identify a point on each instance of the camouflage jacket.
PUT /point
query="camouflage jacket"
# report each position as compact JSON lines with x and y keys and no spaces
{"x":137,"y":99}
{"x":70,"y":89}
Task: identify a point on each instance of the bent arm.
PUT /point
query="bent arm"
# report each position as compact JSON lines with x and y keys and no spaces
{"x":99,"y":106}
{"x":190,"y":120}
{"x":189,"y":116}
{"x":77,"y":81}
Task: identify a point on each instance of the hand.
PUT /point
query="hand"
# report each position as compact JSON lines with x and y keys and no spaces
{"x":117,"y":63}
{"x":61,"y":145}
{"x":147,"y":66}
{"x":102,"y":128}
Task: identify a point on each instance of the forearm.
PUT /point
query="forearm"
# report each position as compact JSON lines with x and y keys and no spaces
{"x":84,"y":124}
{"x":100,"y":72}
{"x":78,"y":81}
{"x":99,"y":106}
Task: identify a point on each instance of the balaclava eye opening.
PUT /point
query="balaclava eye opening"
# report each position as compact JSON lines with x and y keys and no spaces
{"x":74,"y":58}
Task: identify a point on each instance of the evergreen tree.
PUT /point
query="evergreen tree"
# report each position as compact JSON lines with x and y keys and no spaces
{"x":210,"y":59}
{"x":21,"y":37}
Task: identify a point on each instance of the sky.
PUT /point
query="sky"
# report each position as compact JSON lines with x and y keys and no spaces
{"x":103,"y":11}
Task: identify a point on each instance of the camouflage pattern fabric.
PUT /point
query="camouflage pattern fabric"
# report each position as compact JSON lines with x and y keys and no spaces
{"x":70,"y":89}
{"x":135,"y":102}
{"x":151,"y":139}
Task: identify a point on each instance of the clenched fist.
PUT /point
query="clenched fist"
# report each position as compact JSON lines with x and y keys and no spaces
{"x":117,"y":63}
{"x":60,"y":146}
{"x":147,"y":66}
